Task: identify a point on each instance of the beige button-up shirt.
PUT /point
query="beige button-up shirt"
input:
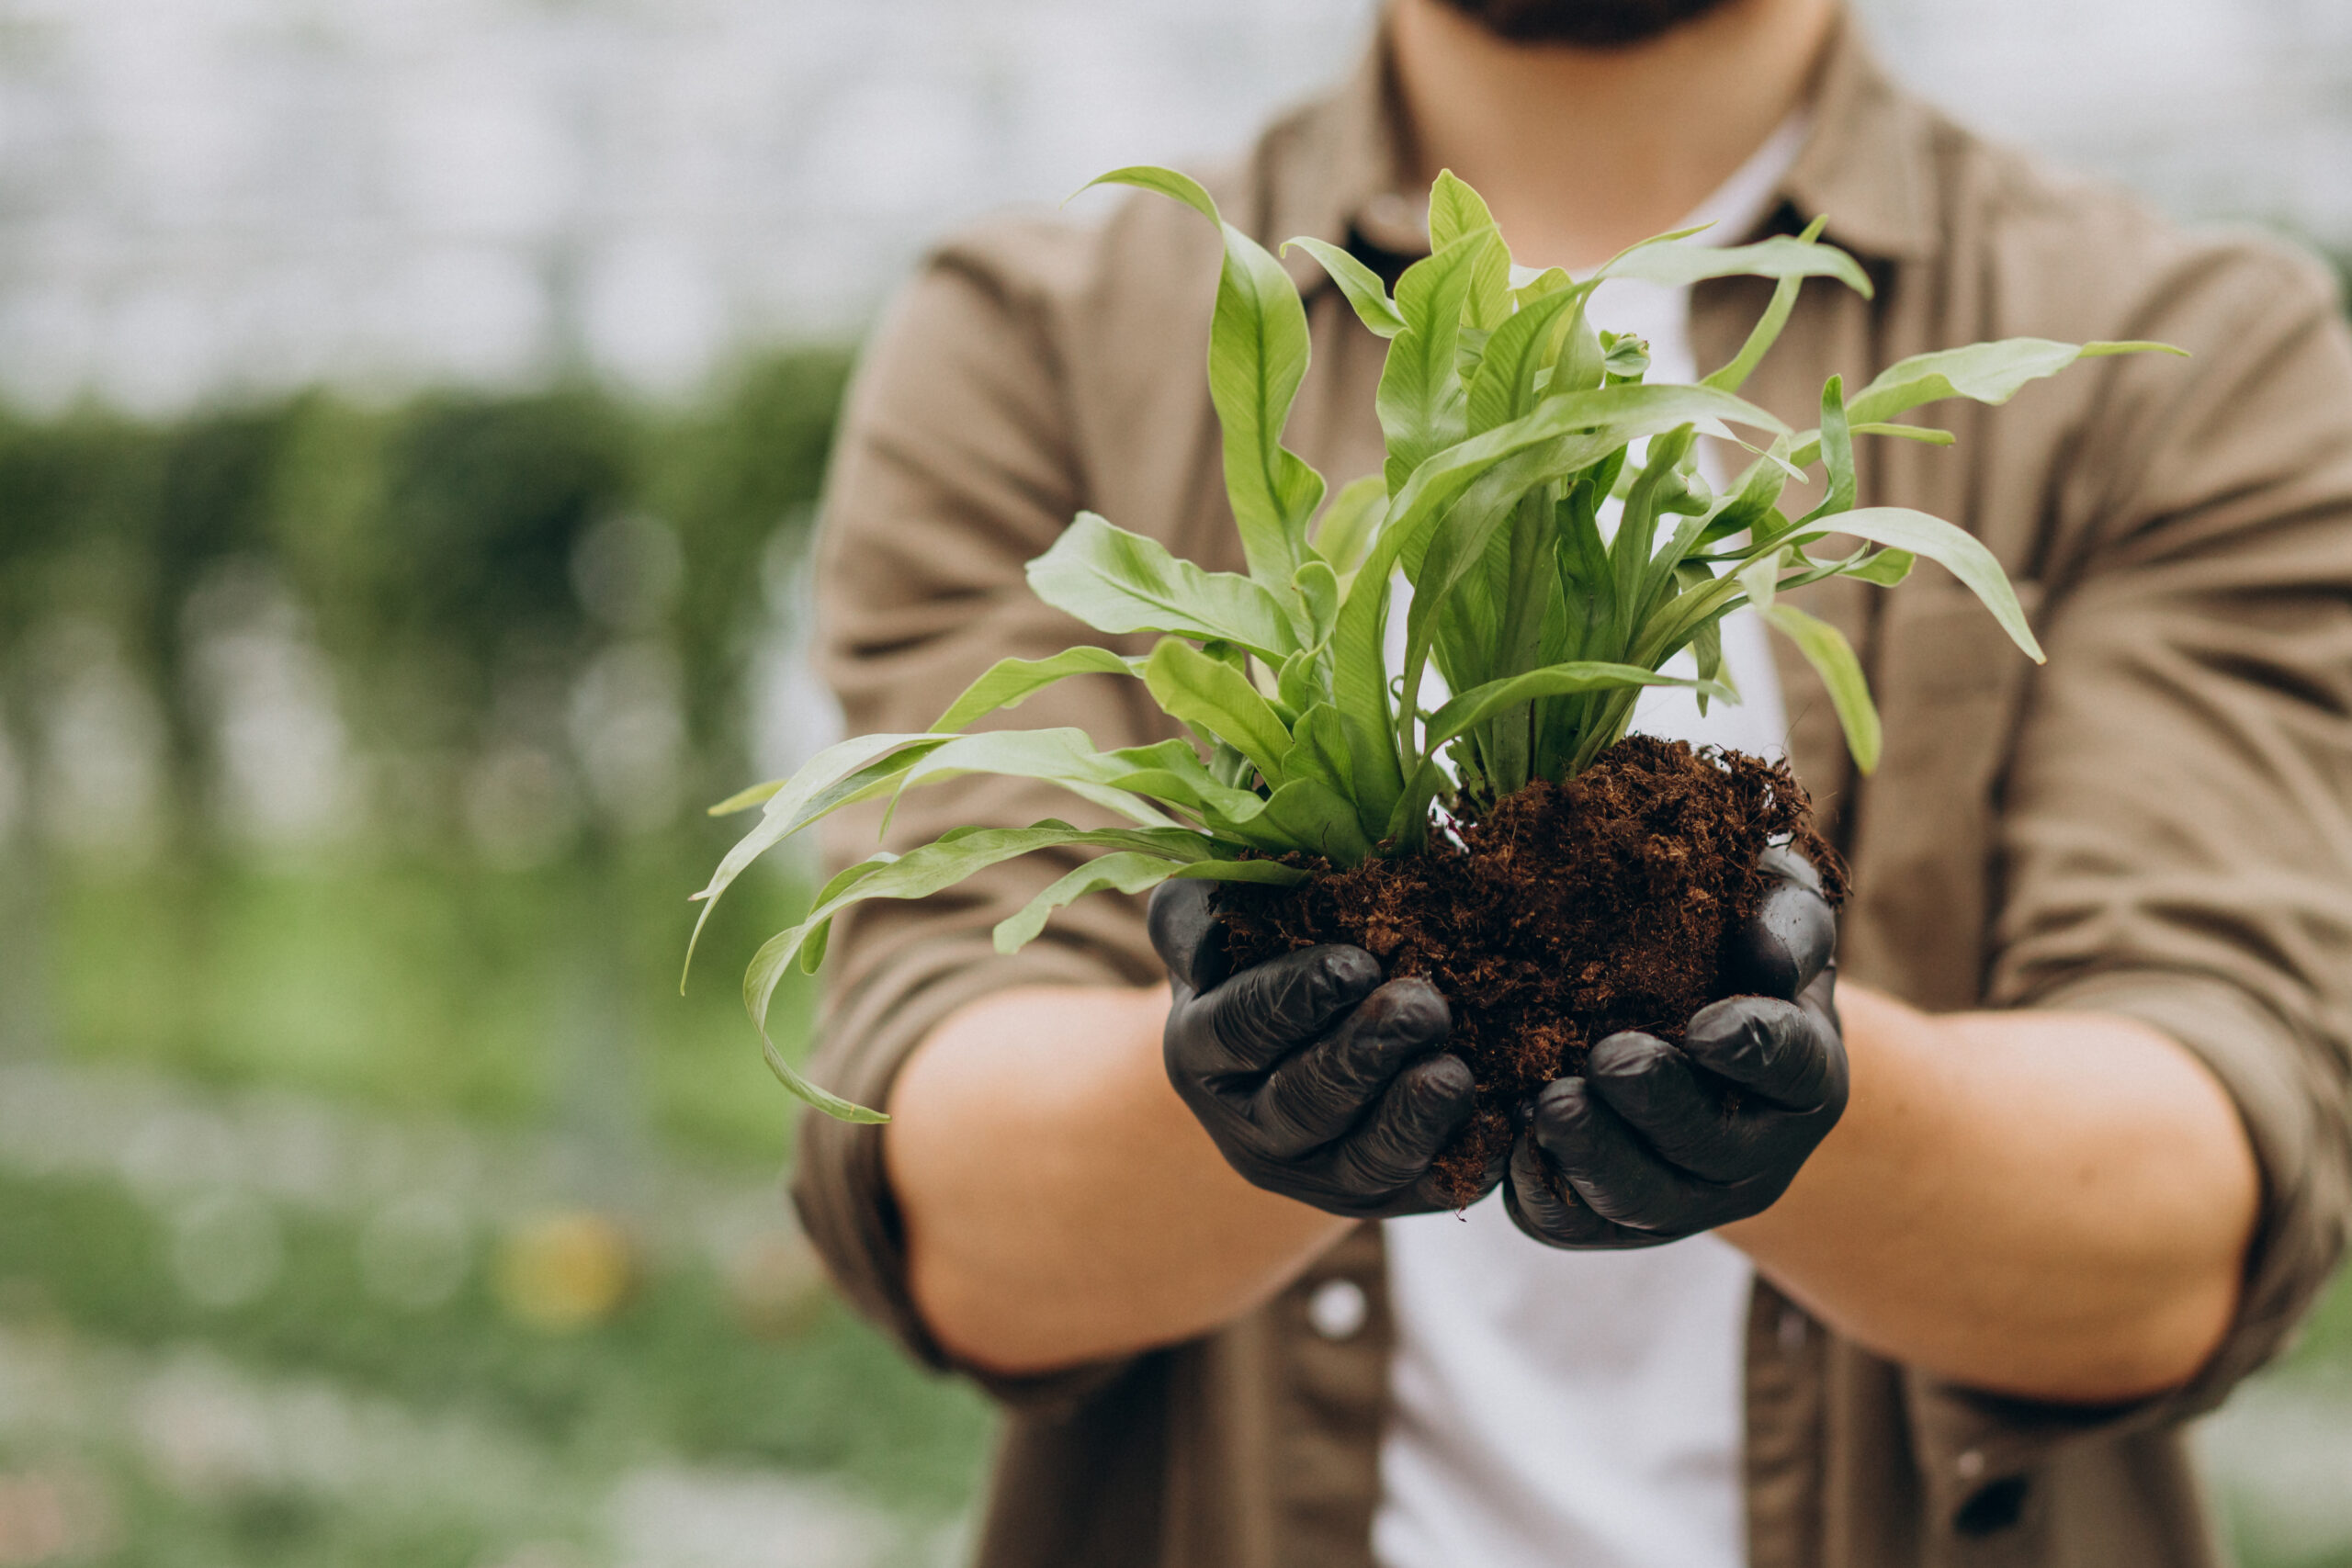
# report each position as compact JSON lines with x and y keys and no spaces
{"x":2155,"y":824}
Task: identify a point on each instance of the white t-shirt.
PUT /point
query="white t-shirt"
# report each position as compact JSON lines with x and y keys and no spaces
{"x":1555,"y":1409}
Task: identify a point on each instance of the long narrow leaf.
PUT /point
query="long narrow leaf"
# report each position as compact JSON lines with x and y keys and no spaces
{"x":1837,"y":453}
{"x":1832,"y":657}
{"x":1124,"y":871}
{"x":1258,"y":349}
{"x":1679,"y":267}
{"x":934,"y":867}
{"x":1358,"y":283}
{"x":1955,"y":549}
{"x":1767,"y":331}
{"x":1983,"y":372}
{"x":1130,"y":871}
{"x":817,"y":788}
{"x":1009,"y":682}
{"x":1466,"y":712}
{"x":1066,"y":757}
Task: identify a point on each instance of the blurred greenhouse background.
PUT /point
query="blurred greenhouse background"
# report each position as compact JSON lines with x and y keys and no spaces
{"x":411,"y":418}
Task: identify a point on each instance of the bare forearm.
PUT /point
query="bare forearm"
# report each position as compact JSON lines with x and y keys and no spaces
{"x":1061,"y":1204}
{"x":2050,"y":1204}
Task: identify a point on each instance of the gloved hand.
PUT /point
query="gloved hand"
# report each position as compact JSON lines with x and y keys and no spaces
{"x":1656,"y":1142}
{"x":1314,"y":1079}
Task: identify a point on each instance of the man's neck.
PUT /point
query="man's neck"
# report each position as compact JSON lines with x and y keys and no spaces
{"x":1581,"y":153}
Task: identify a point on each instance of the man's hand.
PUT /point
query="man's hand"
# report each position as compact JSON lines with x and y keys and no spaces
{"x":1314,"y":1079}
{"x":1655,"y":1143}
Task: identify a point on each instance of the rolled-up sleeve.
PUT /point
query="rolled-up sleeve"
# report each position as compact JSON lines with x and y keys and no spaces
{"x":2176,"y":842}
{"x":956,"y":466}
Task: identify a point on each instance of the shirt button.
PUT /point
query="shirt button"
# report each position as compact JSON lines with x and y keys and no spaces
{"x":1338,"y":1309}
{"x":1971,"y":1464}
{"x":1791,"y":1331}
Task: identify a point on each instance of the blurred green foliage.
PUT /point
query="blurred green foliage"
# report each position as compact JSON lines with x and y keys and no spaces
{"x":434,"y":546}
{"x":458,"y":562}
{"x":431,"y":988}
{"x":672,"y":1374}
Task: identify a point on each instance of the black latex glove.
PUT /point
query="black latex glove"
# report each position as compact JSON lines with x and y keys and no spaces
{"x":1314,"y":1079}
{"x":1657,"y":1142}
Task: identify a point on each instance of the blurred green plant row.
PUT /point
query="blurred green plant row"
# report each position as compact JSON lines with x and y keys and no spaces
{"x":436,"y":549}
{"x":460,"y":565}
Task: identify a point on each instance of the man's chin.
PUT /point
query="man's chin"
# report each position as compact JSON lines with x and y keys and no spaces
{"x":1585,"y":24}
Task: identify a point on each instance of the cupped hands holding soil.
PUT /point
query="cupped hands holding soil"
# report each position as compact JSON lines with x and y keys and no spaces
{"x":1560,"y":916}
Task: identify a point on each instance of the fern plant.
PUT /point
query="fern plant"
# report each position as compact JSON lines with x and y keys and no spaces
{"x":1510,"y":423}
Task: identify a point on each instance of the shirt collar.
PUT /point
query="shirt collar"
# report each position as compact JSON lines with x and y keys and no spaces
{"x":1335,"y":171}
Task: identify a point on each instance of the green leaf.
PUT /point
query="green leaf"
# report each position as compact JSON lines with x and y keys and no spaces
{"x":1920,"y":433}
{"x":1319,"y":745}
{"x":1752,"y":498}
{"x":831,"y":1104}
{"x":1761,"y":579}
{"x":1456,"y":210}
{"x":1131,"y":872}
{"x":1218,"y":701}
{"x":1766,"y":333}
{"x":1669,"y":484}
{"x":743,"y":800}
{"x":1420,"y":401}
{"x":1009,"y":682}
{"x":1409,"y":824}
{"x":1124,"y":871}
{"x":1578,"y":364}
{"x":1067,"y":756}
{"x":1475,"y":707}
{"x":1358,"y":282}
{"x":1170,"y":770}
{"x":1574,"y":430}
{"x":1538,"y":284}
{"x":1985,"y":372}
{"x":934,"y":867}
{"x":1348,"y":524}
{"x":832,"y":778}
{"x":1836,"y":454}
{"x":1353,"y":757}
{"x":1118,"y":582}
{"x":1954,"y":549}
{"x":1319,"y":591}
{"x":1258,"y":349}
{"x":1313,"y":817}
{"x":1679,"y":267}
{"x":1707,"y":642}
{"x":1885,"y":567}
{"x":1505,"y":386}
{"x":1825,"y":648}
{"x":768,"y":965}
{"x":1166,"y":182}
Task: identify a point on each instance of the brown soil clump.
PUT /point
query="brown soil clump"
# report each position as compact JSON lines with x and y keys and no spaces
{"x":1565,"y":914}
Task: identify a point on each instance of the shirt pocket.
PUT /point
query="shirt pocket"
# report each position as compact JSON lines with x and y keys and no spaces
{"x":1948,"y":683}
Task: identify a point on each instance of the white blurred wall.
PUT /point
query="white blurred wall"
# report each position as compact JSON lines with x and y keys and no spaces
{"x":208,"y":197}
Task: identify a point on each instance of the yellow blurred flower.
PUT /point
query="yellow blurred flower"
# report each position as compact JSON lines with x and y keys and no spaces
{"x":567,"y":1271}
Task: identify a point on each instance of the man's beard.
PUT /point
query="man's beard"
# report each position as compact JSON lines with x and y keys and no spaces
{"x":1586,"y":24}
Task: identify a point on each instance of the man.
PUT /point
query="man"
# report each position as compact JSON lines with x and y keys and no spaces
{"x":2095,"y":981}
